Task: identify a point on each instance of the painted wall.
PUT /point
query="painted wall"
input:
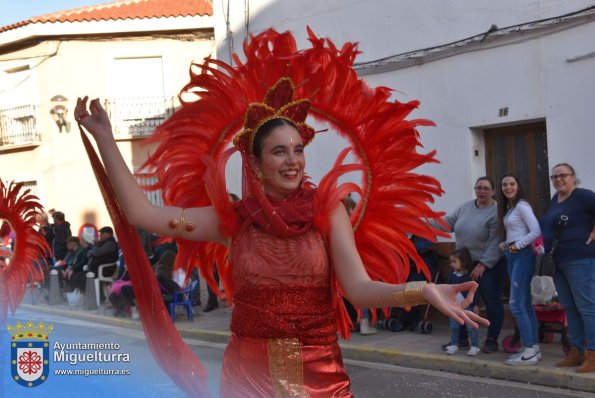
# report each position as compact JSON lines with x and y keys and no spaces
{"x":82,"y":67}
{"x":462,"y":93}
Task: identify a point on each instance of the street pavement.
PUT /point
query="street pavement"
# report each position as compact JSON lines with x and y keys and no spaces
{"x":410,"y":349}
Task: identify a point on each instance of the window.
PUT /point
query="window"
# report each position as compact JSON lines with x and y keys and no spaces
{"x":138,"y":103}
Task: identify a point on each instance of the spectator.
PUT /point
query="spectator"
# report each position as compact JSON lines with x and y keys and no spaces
{"x":60,"y":231}
{"x":461,"y":265}
{"x":76,"y":260}
{"x":427,"y":250}
{"x":103,"y":252}
{"x":45,"y":229}
{"x":164,"y":273}
{"x":520,"y":230}
{"x":575,"y":262}
{"x":475,"y":225}
{"x":146,"y":241}
{"x":121,"y":296}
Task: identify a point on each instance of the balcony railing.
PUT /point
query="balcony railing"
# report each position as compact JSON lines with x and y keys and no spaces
{"x":18,"y":126}
{"x":138,"y":117}
{"x":155,"y":197}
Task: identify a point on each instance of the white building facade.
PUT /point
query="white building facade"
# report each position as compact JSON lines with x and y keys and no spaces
{"x":510,"y":84}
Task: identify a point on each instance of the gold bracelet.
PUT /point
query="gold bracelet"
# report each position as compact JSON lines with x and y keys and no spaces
{"x":187,"y":226}
{"x":412,"y":295}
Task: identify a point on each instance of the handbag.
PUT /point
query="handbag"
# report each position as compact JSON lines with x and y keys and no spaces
{"x":544,"y":263}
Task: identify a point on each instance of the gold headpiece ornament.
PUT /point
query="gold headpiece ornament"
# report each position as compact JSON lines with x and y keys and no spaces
{"x":278,"y":104}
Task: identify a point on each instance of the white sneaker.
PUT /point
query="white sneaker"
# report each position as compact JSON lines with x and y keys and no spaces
{"x":365,"y":328}
{"x":473,"y":351}
{"x":451,"y":349}
{"x":536,"y":348}
{"x":518,"y":353}
{"x":527,"y":358}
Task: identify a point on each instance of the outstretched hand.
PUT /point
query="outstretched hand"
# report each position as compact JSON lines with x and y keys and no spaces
{"x":94,"y":119}
{"x":443,"y":297}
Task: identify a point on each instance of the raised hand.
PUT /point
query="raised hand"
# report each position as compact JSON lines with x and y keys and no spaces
{"x":443,"y":297}
{"x":94,"y":119}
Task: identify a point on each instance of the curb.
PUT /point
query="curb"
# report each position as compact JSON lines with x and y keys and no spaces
{"x":543,"y":376}
{"x":548,"y":377}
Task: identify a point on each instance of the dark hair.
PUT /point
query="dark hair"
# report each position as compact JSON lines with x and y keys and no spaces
{"x":234,"y":197}
{"x":503,"y":200}
{"x":485,"y":178}
{"x":58,"y":215}
{"x":108,"y":230}
{"x":264,"y":131}
{"x":73,"y":239}
{"x":464,"y":257}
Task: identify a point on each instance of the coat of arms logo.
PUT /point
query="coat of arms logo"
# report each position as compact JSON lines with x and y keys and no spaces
{"x":30,"y":353}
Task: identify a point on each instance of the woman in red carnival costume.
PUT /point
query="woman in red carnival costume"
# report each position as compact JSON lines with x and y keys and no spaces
{"x":292,"y":251}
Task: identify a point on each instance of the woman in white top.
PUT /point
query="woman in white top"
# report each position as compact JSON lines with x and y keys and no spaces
{"x":521,"y":228}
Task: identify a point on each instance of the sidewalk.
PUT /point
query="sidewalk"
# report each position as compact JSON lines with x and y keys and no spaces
{"x":408,"y":349}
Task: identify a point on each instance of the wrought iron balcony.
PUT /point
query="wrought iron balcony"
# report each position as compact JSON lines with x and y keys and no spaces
{"x":138,"y":117}
{"x":18,"y":126}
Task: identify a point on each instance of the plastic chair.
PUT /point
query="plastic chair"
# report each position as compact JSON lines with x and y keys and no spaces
{"x":104,"y":278}
{"x":184,"y":298}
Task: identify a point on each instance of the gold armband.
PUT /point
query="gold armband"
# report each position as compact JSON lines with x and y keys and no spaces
{"x":411,"y":296}
{"x":187,"y":226}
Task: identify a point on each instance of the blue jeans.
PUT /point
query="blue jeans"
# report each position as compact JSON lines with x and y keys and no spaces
{"x":521,"y":267}
{"x":491,"y":287}
{"x":575,"y":284}
{"x":455,"y":329}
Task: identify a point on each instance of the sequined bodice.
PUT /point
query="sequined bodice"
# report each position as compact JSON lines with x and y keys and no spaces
{"x":259,"y":258}
{"x":282,"y":287}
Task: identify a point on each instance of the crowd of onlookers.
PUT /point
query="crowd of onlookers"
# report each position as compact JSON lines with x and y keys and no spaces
{"x":77,"y":258}
{"x":496,"y":234}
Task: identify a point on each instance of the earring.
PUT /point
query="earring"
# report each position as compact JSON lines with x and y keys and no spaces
{"x":259,"y":176}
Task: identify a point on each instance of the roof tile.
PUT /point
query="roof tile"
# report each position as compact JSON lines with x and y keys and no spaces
{"x":124,"y":9}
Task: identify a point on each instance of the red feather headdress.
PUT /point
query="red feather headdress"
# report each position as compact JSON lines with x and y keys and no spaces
{"x":27,"y":262}
{"x":190,"y":161}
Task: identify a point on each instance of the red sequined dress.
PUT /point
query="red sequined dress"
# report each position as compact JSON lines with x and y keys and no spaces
{"x":284,"y":334}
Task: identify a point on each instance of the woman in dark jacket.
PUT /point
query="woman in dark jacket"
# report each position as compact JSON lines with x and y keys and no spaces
{"x":575,"y":262}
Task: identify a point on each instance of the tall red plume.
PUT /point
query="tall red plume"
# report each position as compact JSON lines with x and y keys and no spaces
{"x":27,"y":262}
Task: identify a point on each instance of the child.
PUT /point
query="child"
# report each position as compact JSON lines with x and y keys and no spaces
{"x":460,"y":262}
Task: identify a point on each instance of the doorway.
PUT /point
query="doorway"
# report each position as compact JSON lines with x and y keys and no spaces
{"x":522,"y":150}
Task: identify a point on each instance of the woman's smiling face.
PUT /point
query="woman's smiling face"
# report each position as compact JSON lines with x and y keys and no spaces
{"x":509,"y":187}
{"x":281,"y":161}
{"x":563,"y":179}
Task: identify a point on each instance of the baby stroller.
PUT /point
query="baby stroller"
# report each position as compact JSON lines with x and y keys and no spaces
{"x":412,"y":320}
{"x":551,"y":319}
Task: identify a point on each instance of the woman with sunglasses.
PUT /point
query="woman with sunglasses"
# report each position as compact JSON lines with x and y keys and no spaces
{"x":475,"y":225}
{"x":575,"y":262}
